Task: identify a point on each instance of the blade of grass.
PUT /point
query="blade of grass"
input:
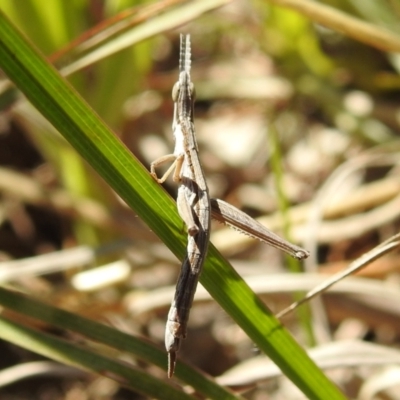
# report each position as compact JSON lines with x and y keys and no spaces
{"x":339,"y":21}
{"x":380,"y":12}
{"x":361,"y":262}
{"x":110,"y":27}
{"x":81,"y":357}
{"x":294,"y":265}
{"x":62,"y":106}
{"x":161,"y":23}
{"x":110,"y":337}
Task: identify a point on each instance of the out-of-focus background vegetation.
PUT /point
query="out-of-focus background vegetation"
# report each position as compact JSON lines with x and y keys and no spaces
{"x":298,"y":124}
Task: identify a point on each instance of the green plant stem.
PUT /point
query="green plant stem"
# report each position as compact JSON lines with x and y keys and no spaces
{"x":303,"y":313}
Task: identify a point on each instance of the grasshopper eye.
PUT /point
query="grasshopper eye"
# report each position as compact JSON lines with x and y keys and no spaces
{"x":175,"y":92}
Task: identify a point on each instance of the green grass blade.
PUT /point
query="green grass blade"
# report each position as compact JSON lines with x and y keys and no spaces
{"x":64,"y":108}
{"x":70,"y":354}
{"x":342,"y":22}
{"x":304,"y":314}
{"x":108,"y":336}
{"x":163,"y":22}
